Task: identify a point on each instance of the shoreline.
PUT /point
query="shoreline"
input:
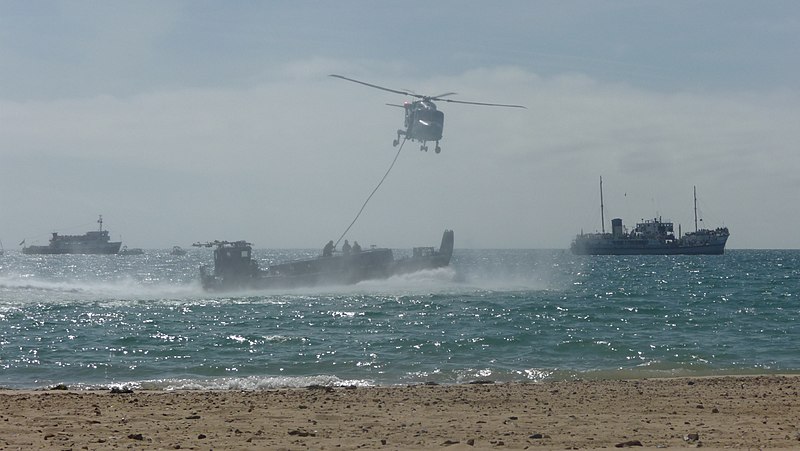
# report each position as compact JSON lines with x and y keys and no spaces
{"x":258,"y":383}
{"x":752,"y":411}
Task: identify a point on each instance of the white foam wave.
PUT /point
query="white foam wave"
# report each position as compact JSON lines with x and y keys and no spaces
{"x":233,"y":383}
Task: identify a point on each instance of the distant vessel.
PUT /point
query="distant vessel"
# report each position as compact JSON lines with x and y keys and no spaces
{"x":651,"y":237}
{"x":130,"y":251}
{"x":92,"y":242}
{"x":235,"y":268}
{"x":177,"y":250}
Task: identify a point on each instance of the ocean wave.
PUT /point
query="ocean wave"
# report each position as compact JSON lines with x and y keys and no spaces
{"x":231,"y":383}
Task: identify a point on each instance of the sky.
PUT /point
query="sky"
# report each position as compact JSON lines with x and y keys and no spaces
{"x":186,"y":121}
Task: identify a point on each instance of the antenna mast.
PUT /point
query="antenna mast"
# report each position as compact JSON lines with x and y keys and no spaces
{"x":100,"y":221}
{"x":602,"y":214}
{"x":695,"y":207}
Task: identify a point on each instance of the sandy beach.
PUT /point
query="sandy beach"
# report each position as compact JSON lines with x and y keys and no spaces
{"x":718,"y":412}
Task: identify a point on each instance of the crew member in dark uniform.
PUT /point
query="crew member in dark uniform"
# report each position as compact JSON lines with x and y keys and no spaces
{"x":327,"y":251}
{"x":346,"y":247}
{"x":356,"y":247}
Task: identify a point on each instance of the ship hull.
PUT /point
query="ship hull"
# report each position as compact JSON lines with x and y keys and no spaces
{"x":714,"y":249}
{"x":106,"y":249}
{"x":643,"y":247}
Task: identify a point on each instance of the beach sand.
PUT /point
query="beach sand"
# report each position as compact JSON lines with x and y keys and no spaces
{"x":750,"y":412}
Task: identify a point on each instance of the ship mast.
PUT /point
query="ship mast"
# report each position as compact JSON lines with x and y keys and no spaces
{"x":602,"y":214}
{"x":695,"y":207}
{"x":100,"y":221}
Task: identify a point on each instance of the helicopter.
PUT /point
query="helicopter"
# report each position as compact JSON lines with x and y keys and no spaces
{"x":424,"y":122}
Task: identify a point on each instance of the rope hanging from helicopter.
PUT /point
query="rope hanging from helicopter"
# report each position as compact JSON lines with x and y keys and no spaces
{"x":372,"y":193}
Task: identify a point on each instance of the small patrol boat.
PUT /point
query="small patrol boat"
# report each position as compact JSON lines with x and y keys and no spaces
{"x":177,"y":250}
{"x":131,"y":251}
{"x":235,"y":269}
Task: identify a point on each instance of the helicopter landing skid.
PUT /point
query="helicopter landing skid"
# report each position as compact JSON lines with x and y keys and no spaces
{"x":423,"y":147}
{"x":436,"y":149}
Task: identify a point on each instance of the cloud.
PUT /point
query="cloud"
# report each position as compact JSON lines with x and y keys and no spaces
{"x":289,"y":161}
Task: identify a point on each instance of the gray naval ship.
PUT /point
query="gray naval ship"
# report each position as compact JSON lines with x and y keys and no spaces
{"x":650,"y":237}
{"x":92,"y":242}
{"x":235,"y":269}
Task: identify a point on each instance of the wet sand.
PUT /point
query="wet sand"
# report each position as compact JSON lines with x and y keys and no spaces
{"x":713,"y":413}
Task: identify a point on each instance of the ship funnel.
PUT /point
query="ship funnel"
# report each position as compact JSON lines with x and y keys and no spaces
{"x":616,"y":228}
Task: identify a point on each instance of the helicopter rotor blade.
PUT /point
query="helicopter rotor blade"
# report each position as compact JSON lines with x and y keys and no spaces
{"x":396,"y":91}
{"x":394,"y":104}
{"x":482,"y":103}
{"x":427,"y":98}
{"x":443,"y":95}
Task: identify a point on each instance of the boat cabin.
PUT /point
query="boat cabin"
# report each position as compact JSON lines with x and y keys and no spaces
{"x":234,"y":259}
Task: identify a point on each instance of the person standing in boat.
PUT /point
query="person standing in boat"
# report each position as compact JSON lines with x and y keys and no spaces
{"x":346,"y":247}
{"x":327,"y":251}
{"x":356,"y":247}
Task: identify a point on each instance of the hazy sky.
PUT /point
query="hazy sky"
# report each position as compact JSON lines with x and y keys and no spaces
{"x":182,"y":121}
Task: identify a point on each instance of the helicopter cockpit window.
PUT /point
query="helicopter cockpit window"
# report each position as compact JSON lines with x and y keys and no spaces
{"x":430,"y":115}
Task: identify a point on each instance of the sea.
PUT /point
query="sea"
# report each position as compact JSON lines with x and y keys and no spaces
{"x":522,"y":315}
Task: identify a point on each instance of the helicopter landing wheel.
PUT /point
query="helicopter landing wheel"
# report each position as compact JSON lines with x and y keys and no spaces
{"x":438,"y":149}
{"x":425,"y":148}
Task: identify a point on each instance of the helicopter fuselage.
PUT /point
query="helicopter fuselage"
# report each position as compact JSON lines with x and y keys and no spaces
{"x":424,"y":122}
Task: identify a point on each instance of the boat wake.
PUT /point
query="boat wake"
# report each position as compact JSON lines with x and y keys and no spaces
{"x":426,"y":278}
{"x":16,"y":289}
